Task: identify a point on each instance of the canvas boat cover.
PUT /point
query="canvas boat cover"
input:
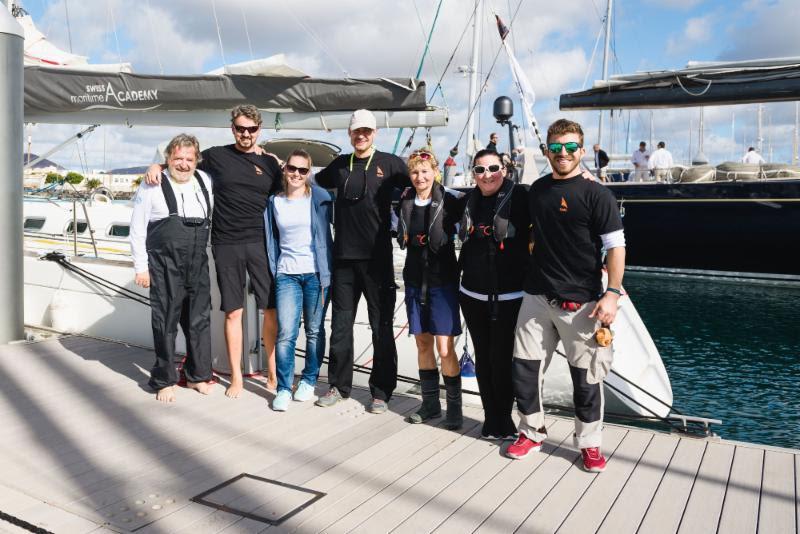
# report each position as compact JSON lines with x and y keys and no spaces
{"x":699,"y":84}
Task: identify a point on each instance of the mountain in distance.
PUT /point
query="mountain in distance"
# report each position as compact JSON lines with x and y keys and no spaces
{"x":129,"y":170}
{"x":41,"y":164}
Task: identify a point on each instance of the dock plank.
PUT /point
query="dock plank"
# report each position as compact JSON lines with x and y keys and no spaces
{"x":481,"y":505}
{"x":778,"y":512}
{"x":632,"y":502}
{"x":705,"y":503}
{"x":551,"y":511}
{"x":594,"y":504}
{"x":740,"y":508}
{"x":669,"y":502}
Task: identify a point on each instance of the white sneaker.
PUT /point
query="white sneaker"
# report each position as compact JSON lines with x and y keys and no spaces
{"x":281,"y":401}
{"x":304,"y":391}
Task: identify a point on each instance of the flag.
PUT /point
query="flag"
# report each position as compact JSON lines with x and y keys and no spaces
{"x":502,"y":28}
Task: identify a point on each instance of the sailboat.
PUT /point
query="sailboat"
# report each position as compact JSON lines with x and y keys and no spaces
{"x":94,"y":293}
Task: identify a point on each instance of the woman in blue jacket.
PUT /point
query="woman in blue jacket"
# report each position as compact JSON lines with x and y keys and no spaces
{"x":299,"y":245}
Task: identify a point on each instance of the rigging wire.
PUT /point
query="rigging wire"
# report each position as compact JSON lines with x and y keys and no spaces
{"x":422,"y":59}
{"x":219,"y":33}
{"x":325,"y":49}
{"x":114,"y":29}
{"x":69,"y":28}
{"x":247,"y":32}
{"x":153,"y":36}
{"x":594,"y":53}
{"x":486,"y":79}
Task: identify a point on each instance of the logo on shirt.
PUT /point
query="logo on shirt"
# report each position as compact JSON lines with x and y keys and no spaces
{"x":379,"y":171}
{"x":564,"y":208}
{"x":258,"y":170}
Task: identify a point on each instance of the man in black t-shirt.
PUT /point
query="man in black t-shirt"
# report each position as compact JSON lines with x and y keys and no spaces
{"x":362,"y":250}
{"x":572,"y":220}
{"x":243,"y":179}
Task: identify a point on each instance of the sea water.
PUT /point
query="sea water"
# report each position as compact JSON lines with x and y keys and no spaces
{"x":732,"y":351}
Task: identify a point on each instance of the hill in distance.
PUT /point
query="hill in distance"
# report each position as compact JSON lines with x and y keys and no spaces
{"x":42,"y":164}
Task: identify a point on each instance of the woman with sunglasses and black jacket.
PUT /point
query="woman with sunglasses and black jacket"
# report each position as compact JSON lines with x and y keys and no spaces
{"x":300,"y":245}
{"x":494,"y":230}
{"x":427,"y":216}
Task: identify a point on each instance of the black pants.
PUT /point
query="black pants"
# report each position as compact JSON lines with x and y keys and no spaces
{"x":494,"y":349}
{"x":180,"y":292}
{"x":375,"y":280}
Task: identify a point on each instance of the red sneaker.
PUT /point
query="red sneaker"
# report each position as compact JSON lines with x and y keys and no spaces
{"x":593,"y":460}
{"x":523,"y":447}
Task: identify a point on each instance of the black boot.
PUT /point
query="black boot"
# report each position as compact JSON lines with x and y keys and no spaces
{"x":455,"y":418}
{"x":431,"y":406}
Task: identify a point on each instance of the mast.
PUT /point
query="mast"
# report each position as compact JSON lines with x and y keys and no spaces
{"x":796,"y":144}
{"x":759,"y":137}
{"x":606,"y":45}
{"x":473,"y":78}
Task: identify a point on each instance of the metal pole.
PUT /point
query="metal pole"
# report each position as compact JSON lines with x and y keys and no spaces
{"x":473,"y":78}
{"x":651,"y":131}
{"x":760,"y":138}
{"x":606,"y":46}
{"x":701,"y":132}
{"x":11,"y":155}
{"x":796,"y":132}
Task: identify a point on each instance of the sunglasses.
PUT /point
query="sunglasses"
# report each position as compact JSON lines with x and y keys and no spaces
{"x":481,"y":169}
{"x":242,"y":129}
{"x":570,"y":147}
{"x":302,"y":171}
{"x":421,"y":154}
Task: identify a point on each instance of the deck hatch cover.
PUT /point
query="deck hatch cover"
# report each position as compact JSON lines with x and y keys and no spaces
{"x":261,"y":499}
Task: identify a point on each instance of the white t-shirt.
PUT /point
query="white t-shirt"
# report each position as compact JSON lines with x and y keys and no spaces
{"x":752,"y":157}
{"x":639,"y":159}
{"x":661,"y":159}
{"x":293,"y":219}
{"x":150,"y":205}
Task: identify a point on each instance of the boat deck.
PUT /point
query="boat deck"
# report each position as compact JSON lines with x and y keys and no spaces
{"x":86,"y":448}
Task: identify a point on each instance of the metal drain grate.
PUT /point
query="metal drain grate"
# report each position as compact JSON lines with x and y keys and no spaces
{"x":260,"y":499}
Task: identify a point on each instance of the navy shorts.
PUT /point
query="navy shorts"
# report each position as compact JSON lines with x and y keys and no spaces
{"x":440,"y":318}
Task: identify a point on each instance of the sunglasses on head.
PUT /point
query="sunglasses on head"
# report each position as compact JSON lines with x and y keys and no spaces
{"x":302,"y":171}
{"x":570,"y":147}
{"x":421,"y":154}
{"x":480,"y":169}
{"x":242,"y":129}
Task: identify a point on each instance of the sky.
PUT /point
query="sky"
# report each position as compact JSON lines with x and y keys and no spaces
{"x":554,"y":43}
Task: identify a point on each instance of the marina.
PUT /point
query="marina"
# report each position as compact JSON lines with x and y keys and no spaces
{"x":83,"y":452}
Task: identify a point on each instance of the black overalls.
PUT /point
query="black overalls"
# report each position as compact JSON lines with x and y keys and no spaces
{"x":180,"y":290}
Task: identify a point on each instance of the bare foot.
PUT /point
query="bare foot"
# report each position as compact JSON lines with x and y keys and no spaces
{"x":166,"y":394}
{"x":235,"y":388}
{"x":272,"y":383}
{"x":200,"y":387}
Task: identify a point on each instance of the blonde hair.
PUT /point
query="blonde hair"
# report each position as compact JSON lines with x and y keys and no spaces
{"x":300,"y":153}
{"x":423,"y":155}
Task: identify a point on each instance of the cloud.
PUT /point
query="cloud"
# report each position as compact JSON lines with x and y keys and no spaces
{"x":771,"y":31}
{"x":675,"y":4}
{"x":698,"y":30}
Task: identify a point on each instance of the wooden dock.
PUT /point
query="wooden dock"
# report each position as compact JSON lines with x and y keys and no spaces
{"x":86,"y":448}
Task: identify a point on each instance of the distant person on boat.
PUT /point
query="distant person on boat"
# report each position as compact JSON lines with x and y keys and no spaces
{"x":493,"y":140}
{"x":660,"y":163}
{"x":493,"y":259}
{"x":752,"y":156}
{"x":572,"y":220}
{"x":641,"y":171}
{"x":427,"y":215}
{"x":300,"y":248}
{"x":169,"y":235}
{"x":363,"y":263}
{"x":600,"y":163}
{"x":244,"y":178}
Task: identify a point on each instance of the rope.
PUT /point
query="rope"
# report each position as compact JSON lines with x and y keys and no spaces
{"x":114,"y":29}
{"x":153,"y":35}
{"x":701,"y":93}
{"x":325,"y":49}
{"x":219,"y":33}
{"x":247,"y":32}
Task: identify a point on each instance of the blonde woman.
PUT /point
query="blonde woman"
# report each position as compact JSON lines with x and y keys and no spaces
{"x":427,"y":214}
{"x":299,"y":241}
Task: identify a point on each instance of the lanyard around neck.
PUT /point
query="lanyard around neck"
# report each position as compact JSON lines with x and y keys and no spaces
{"x":368,"y":161}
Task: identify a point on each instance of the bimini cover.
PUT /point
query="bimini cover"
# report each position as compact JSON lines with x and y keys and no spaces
{"x":699,"y":84}
{"x":59,"y":92}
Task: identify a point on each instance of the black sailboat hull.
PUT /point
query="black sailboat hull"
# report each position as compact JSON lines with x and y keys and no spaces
{"x":727,"y":227}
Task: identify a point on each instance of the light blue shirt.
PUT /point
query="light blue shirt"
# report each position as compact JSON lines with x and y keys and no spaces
{"x":293,"y":219}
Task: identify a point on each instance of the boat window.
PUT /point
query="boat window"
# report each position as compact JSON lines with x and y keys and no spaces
{"x":119,"y":230}
{"x":81,"y":227}
{"x":33,"y":223}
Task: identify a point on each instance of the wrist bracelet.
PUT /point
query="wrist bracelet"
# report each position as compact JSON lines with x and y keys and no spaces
{"x":614,"y":290}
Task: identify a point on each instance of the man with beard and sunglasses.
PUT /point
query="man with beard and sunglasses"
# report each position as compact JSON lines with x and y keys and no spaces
{"x":243,"y":179}
{"x":573,"y":220}
{"x":364,"y":182}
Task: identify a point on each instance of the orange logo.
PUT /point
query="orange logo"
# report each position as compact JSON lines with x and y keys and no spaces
{"x":564,"y":207}
{"x":379,"y":172}
{"x":258,"y":170}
